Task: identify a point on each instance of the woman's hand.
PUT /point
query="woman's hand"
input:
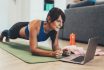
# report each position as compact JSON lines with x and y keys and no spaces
{"x":66,"y":52}
{"x":57,"y":53}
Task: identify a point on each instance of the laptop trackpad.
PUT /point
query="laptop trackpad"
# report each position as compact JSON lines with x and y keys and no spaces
{"x":73,"y":58}
{"x":78,"y":59}
{"x":69,"y":58}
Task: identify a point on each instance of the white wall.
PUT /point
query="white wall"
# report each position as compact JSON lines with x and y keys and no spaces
{"x":60,"y":4}
{"x":37,"y":8}
{"x":12,"y":11}
{"x":3,"y":14}
{"x":100,"y":0}
{"x":25,"y":10}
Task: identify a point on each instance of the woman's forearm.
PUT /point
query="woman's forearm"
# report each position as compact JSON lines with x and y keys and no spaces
{"x":41,"y":52}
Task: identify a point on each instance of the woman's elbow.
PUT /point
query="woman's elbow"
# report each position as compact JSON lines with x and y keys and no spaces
{"x":33,"y":51}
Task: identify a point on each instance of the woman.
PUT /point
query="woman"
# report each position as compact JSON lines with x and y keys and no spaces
{"x":37,"y":30}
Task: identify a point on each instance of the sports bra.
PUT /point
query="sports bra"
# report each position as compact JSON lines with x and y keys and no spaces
{"x":42,"y":36}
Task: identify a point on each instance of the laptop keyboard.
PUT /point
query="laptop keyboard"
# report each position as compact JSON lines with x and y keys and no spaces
{"x":78,"y":59}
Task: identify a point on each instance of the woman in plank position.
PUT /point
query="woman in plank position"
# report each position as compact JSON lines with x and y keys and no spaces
{"x":37,"y":31}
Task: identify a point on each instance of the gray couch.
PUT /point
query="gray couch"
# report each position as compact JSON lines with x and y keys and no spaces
{"x":85,"y":22}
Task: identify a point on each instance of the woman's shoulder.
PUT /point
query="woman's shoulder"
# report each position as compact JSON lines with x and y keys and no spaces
{"x":35,"y":21}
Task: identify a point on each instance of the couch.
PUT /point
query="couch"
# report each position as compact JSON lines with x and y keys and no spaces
{"x":85,"y":22}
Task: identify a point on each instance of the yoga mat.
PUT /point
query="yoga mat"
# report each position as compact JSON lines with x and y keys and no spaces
{"x":22,"y":52}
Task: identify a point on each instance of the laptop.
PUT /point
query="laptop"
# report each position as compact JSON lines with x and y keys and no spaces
{"x":82,"y":59}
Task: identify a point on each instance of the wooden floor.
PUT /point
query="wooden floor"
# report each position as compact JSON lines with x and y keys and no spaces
{"x":9,"y":62}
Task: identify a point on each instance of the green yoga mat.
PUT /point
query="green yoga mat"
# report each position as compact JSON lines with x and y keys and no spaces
{"x":22,"y":52}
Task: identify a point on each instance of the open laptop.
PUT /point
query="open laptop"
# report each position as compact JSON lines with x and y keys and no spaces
{"x":82,"y":59}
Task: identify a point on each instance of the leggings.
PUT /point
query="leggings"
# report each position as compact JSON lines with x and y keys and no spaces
{"x":13,"y":32}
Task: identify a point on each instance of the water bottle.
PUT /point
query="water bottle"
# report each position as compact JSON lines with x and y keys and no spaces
{"x":72,"y":39}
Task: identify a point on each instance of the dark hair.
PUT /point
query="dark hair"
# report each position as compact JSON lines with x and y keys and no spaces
{"x":54,"y":13}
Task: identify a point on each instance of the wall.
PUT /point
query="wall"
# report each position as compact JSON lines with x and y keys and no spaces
{"x":100,"y":0}
{"x":60,"y":4}
{"x":37,"y":8}
{"x":12,"y":11}
{"x":18,"y":11}
{"x":25,"y":10}
{"x":3,"y":14}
